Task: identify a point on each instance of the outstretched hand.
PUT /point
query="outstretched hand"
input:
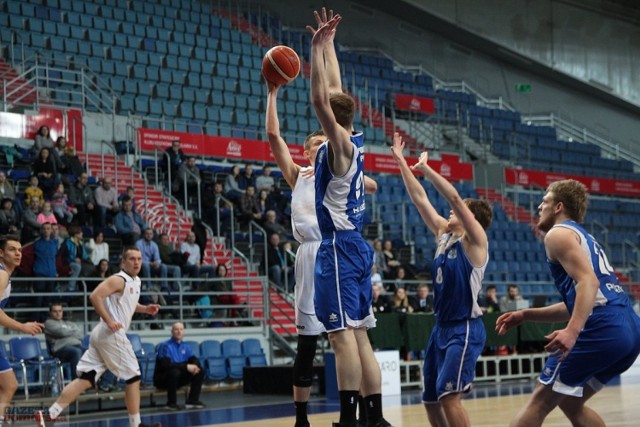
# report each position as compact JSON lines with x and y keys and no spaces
{"x":271,"y":88}
{"x":322,"y":18}
{"x":326,"y":32}
{"x":508,"y":320}
{"x":422,"y":162}
{"x":397,"y":147}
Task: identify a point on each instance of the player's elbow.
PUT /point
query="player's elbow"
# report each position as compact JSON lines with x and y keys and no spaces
{"x":273,"y":135}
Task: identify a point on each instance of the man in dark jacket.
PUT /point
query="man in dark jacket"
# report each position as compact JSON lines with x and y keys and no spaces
{"x":81,"y":197}
{"x":176,"y":366}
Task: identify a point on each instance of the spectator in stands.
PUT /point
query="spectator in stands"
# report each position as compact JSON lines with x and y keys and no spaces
{"x":279,"y":269}
{"x":45,"y":169}
{"x":176,"y":366}
{"x":380,"y":303}
{"x":193,"y":265}
{"x":172,"y":160}
{"x":75,"y":256}
{"x":33,"y":190}
{"x":378,"y":258}
{"x":265,"y":181}
{"x":513,"y":294}
{"x":400,"y":302}
{"x":61,"y":208}
{"x":172,"y":258}
{"x":8,"y":218}
{"x":43,"y":139}
{"x":6,"y":188}
{"x":272,"y":226}
{"x":46,"y":214}
{"x":376,"y":278}
{"x":30,"y":224}
{"x":225,"y":287}
{"x":249,"y":209}
{"x":398,"y":282}
{"x":247,"y":178}
{"x":266,"y":203}
{"x":231,"y":185}
{"x":423,"y":301}
{"x":106,"y":200}
{"x":151,"y":262}
{"x":64,"y":338}
{"x":58,"y":235}
{"x":45,"y":251}
{"x":98,"y":249}
{"x":81,"y":197}
{"x":71,"y":164}
{"x":129,"y":224}
{"x":390,"y":259}
{"x":490,"y":303}
{"x":101,"y":272}
{"x":57,"y":152}
{"x":189,"y":174}
{"x":215,"y":209}
{"x":130,"y":193}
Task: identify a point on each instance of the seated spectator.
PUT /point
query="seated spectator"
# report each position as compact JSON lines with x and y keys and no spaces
{"x":391,"y":260}
{"x":513,"y":294}
{"x":6,"y":188}
{"x":129,"y":192}
{"x":378,"y":258}
{"x":172,"y":160}
{"x":45,"y":251}
{"x":75,"y":256}
{"x":423,"y":301}
{"x":490,"y":303}
{"x":247,"y":178}
{"x":398,"y":282}
{"x":279,"y":269}
{"x":400,"y":303}
{"x":265,"y":203}
{"x":248,"y":209}
{"x":129,"y":224}
{"x":224,"y":292}
{"x":57,"y":152}
{"x":265,"y":181}
{"x":231,"y":185}
{"x":176,"y":366}
{"x":151,"y":262}
{"x":71,"y":164}
{"x":58,"y":234}
{"x":271,"y":226}
{"x":8,"y":218}
{"x":81,"y":197}
{"x":61,"y":208}
{"x":380,"y":303}
{"x":193,"y":266}
{"x":172,"y":259}
{"x":45,"y":169}
{"x":33,"y":190}
{"x":216,"y":211}
{"x":98,"y":249}
{"x":46,"y":214}
{"x":106,"y":200}
{"x":376,"y":278}
{"x":30,"y":224}
{"x":42,"y":139}
{"x":64,"y":338}
{"x":102,"y":271}
{"x":189,"y":175}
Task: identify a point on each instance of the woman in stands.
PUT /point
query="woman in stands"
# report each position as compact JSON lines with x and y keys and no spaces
{"x":45,"y":169}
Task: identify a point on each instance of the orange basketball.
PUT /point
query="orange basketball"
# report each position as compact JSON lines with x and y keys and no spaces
{"x":280,"y":65}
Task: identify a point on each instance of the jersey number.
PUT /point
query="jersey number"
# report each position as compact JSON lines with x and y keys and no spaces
{"x":359,"y":184}
{"x":603,"y":262}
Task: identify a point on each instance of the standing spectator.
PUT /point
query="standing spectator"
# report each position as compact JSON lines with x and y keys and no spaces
{"x":176,"y":366}
{"x":129,"y":224}
{"x":45,"y":169}
{"x":81,"y":197}
{"x":61,"y":208}
{"x":193,"y":266}
{"x":45,"y":251}
{"x":173,"y":159}
{"x":490,"y":303}
{"x":6,"y":188}
{"x":8,"y":218}
{"x":279,"y":269}
{"x":74,"y":255}
{"x":43,"y":139}
{"x":232,"y":186}
{"x":400,"y":302}
{"x":513,"y":294}
{"x":71,"y":164}
{"x":189,"y":175}
{"x":98,"y":249}
{"x":64,"y":338}
{"x":247,"y":178}
{"x":217,"y":212}
{"x":249,"y":210}
{"x":58,"y":235}
{"x":30,"y":224}
{"x":46,"y":214}
{"x":106,"y":199}
{"x":423,"y":301}
{"x":265,"y":181}
{"x":33,"y":190}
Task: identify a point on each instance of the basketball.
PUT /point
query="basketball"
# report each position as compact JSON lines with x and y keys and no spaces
{"x":280,"y":65}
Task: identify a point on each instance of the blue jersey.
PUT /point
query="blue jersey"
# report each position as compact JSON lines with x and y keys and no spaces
{"x":610,"y":292}
{"x":7,"y":291}
{"x":456,"y":282}
{"x":340,"y":199}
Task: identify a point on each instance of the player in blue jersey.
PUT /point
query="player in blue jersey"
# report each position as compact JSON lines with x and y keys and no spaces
{"x":458,"y":268}
{"x":342,"y":277}
{"x":10,"y":257}
{"x":602,"y":336}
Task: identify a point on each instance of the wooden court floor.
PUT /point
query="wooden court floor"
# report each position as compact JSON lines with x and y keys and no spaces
{"x":619,"y":406}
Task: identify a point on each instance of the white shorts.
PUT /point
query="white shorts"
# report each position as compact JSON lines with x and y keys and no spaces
{"x":108,"y":350}
{"x":306,"y":321}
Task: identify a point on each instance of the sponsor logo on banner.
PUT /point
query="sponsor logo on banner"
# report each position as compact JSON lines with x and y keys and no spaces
{"x":234,"y":149}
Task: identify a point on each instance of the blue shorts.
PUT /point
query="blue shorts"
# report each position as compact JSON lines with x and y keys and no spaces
{"x":450,"y":362}
{"x":606,"y":347}
{"x":342,"y":276}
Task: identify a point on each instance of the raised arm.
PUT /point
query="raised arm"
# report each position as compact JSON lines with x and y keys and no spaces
{"x":435,"y":222}
{"x":278,"y":146}
{"x":330,"y":57}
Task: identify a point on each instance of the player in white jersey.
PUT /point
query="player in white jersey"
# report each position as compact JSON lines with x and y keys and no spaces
{"x":602,"y":337}
{"x":115,"y":300}
{"x":343,"y":291}
{"x":10,"y":258}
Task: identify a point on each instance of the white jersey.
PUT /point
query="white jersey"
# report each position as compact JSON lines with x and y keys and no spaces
{"x":122,"y":306}
{"x":304,"y":221}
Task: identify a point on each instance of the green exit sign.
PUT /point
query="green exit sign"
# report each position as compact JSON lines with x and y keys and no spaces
{"x":523,"y":88}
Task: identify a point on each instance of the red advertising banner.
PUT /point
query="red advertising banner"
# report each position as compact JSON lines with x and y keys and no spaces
{"x":415,"y":103}
{"x":594,"y":184}
{"x":14,"y":125}
{"x":448,"y":166}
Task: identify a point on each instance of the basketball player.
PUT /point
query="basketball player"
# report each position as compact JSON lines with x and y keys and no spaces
{"x":458,"y":268}
{"x":115,"y":300}
{"x":10,"y":257}
{"x":602,"y":336}
{"x":342,"y":276}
